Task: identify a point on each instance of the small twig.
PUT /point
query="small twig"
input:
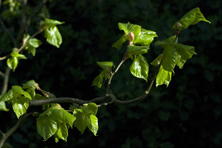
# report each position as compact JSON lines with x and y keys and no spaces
{"x":5,"y":80}
{"x":9,"y":33}
{"x":2,"y":74}
{"x":113,"y":73}
{"x":13,"y":129}
{"x":24,"y":44}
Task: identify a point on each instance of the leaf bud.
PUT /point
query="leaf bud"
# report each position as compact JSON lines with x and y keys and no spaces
{"x":178,"y":26}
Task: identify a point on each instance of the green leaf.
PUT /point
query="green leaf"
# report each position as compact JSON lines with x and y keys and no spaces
{"x":93,"y":126}
{"x":52,"y":23}
{"x":105,"y":65}
{"x":12,"y":63}
{"x":18,"y":91}
{"x":163,"y":77}
{"x":46,"y":126}
{"x":92,"y":108}
{"x":145,"y":37}
{"x":185,"y":52}
{"x":157,"y":61}
{"x":118,"y":44}
{"x":20,"y":105}
{"x":61,"y":115}
{"x":140,"y":68}
{"x":21,"y":56}
{"x":170,"y":41}
{"x":81,"y":121}
{"x":127,"y":28}
{"x":30,"y":84}
{"x":3,"y":106}
{"x":191,"y":18}
{"x":170,"y":57}
{"x":98,"y":81}
{"x":62,"y":132}
{"x":32,"y":44}
{"x":7,"y":96}
{"x":53,"y":36}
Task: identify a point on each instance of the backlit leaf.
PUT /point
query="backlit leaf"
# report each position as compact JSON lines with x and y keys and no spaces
{"x":163,"y":77}
{"x":53,"y":36}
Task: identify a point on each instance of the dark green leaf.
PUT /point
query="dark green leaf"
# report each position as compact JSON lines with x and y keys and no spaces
{"x":191,"y":18}
{"x":185,"y":52}
{"x":98,"y":81}
{"x":46,"y":126}
{"x":157,"y":61}
{"x":140,"y":68}
{"x":105,"y":65}
{"x":170,"y":57}
{"x":92,"y":108}
{"x":118,"y":44}
{"x":81,"y":121}
{"x":53,"y":36}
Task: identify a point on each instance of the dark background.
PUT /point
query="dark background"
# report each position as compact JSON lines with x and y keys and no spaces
{"x":185,"y":114}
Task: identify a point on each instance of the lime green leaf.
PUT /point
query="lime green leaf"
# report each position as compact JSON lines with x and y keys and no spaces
{"x":21,"y":56}
{"x":20,"y":105}
{"x":93,"y":126}
{"x":191,"y":18}
{"x":18,"y":91}
{"x":3,"y":106}
{"x":92,"y":108}
{"x":163,"y":77}
{"x":118,"y":44}
{"x":138,"y":49}
{"x":98,"y":81}
{"x":46,"y":126}
{"x":7,"y":96}
{"x":145,"y":37}
{"x":140,"y":68}
{"x":12,"y":63}
{"x":61,"y":133}
{"x":127,"y":28}
{"x":61,"y":115}
{"x":32,"y":44}
{"x":52,"y":23}
{"x":53,"y":36}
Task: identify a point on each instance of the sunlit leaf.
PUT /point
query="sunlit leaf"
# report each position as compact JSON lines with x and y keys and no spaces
{"x":20,"y":105}
{"x":145,"y":37}
{"x":191,"y":18}
{"x":81,"y":121}
{"x":52,"y":23}
{"x":118,"y":44}
{"x":3,"y":106}
{"x":53,"y":36}
{"x":7,"y":96}
{"x":140,"y":68}
{"x":93,"y":126}
{"x":163,"y":77}
{"x":62,"y":132}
